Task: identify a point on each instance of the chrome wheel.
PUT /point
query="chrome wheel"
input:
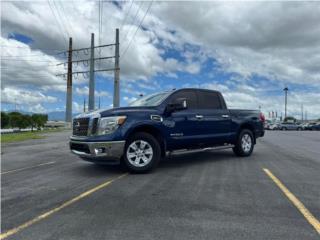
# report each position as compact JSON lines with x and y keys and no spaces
{"x":139,"y":153}
{"x":246,"y":143}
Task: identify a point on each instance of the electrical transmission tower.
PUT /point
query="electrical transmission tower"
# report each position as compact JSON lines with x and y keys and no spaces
{"x":91,"y":72}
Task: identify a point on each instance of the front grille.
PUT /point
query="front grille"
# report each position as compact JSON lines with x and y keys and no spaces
{"x":80,"y":126}
{"x":94,"y":126}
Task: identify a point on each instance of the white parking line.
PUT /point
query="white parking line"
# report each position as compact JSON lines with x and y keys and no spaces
{"x":25,"y":168}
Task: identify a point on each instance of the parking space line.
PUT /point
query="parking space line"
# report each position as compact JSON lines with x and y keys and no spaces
{"x":25,"y":168}
{"x":47,"y":214}
{"x":296,"y":202}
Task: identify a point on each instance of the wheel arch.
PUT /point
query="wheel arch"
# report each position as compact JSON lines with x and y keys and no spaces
{"x":249,"y":127}
{"x":155,"y":132}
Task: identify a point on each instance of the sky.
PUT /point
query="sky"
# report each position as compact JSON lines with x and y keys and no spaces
{"x":249,"y":51}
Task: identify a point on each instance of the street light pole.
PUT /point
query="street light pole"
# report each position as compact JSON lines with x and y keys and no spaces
{"x":286,"y":89}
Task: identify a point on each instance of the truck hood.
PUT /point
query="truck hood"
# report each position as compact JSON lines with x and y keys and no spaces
{"x":128,"y":111}
{"x":119,"y":111}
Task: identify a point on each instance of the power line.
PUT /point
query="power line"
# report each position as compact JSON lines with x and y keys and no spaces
{"x":42,"y":49}
{"x":124,"y":52}
{"x":23,"y":56}
{"x":62,"y":33}
{"x":26,"y":60}
{"x":132,"y":23}
{"x":66,"y":17}
{"x":62,"y":20}
{"x":126,"y":15}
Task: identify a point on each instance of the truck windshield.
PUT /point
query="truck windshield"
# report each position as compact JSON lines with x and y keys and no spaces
{"x":150,"y":100}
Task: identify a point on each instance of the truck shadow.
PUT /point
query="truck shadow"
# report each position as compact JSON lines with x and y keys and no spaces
{"x":182,"y":160}
{"x":197,"y":158}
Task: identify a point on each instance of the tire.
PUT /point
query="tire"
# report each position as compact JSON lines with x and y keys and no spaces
{"x":142,"y":153}
{"x":245,"y":144}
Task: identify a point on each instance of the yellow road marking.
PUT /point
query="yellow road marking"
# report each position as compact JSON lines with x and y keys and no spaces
{"x":20,"y":169}
{"x":47,"y":214}
{"x":304,"y":211}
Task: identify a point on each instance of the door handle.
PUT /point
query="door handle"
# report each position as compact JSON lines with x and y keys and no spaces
{"x":199,"y":117}
{"x":225,"y":116}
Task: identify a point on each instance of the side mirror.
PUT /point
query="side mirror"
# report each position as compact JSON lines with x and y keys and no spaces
{"x":178,"y":104}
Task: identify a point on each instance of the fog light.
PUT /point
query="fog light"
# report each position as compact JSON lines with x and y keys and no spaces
{"x":99,"y":150}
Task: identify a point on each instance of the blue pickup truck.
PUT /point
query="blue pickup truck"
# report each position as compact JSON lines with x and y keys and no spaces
{"x":140,"y":135}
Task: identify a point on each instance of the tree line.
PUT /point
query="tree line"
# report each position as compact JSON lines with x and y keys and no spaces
{"x":19,"y":120}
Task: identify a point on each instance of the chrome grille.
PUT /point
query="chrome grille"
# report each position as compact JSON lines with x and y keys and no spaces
{"x":94,"y":126}
{"x":80,"y":126}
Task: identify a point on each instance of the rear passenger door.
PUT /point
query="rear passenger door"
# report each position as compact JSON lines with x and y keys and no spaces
{"x":214,"y":121}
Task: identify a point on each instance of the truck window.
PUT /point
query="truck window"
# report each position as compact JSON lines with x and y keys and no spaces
{"x":190,"y":96}
{"x":209,"y":100}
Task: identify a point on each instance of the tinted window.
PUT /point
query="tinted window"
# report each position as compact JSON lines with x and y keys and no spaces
{"x":209,"y":100}
{"x":190,"y":96}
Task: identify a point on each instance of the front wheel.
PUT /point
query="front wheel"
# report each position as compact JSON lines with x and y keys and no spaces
{"x":245,"y":143}
{"x":142,"y":153}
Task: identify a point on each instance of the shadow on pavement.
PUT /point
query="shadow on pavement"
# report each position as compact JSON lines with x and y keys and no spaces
{"x":174,"y":161}
{"x":197,"y":158}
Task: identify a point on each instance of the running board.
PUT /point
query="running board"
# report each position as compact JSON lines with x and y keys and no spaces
{"x":182,"y":151}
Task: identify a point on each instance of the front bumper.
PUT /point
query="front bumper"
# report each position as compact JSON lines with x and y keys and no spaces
{"x":98,"y":151}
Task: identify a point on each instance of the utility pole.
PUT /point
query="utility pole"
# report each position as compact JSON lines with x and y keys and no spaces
{"x":285,"y":101}
{"x":84,"y":104}
{"x":91,"y":78}
{"x":90,"y":61}
{"x":99,"y":102}
{"x":69,"y":85}
{"x":301,"y":112}
{"x":116,"y":91}
{"x":306,"y":116}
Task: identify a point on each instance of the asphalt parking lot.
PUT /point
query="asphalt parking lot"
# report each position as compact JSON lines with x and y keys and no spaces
{"x":48,"y":193}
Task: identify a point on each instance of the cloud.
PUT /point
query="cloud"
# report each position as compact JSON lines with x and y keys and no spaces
{"x":84,"y":91}
{"x":31,"y":68}
{"x":21,"y":96}
{"x":38,"y":108}
{"x":278,"y":40}
{"x":76,"y":107}
{"x":129,"y":100}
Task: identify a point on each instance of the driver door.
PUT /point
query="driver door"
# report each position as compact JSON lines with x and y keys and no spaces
{"x":182,"y":130}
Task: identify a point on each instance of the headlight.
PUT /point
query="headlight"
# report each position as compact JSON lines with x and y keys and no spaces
{"x":108,"y":125}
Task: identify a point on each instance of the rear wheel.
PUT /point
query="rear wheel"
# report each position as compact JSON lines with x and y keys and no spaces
{"x":142,"y":153}
{"x":245,"y":143}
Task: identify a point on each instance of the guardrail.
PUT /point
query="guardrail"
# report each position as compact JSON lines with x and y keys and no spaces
{"x":13,"y":130}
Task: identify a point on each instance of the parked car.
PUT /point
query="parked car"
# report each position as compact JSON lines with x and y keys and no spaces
{"x":274,"y":126}
{"x":310,"y":126}
{"x":267,"y":124}
{"x":290,"y":126}
{"x":315,"y":127}
{"x":140,"y":135}
{"x":304,"y":126}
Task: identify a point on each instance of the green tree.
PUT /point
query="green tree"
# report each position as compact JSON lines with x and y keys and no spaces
{"x":290,"y":119}
{"x":38,"y":120}
{"x":18,"y":120}
{"x":15,"y":119}
{"x":4,"y":119}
